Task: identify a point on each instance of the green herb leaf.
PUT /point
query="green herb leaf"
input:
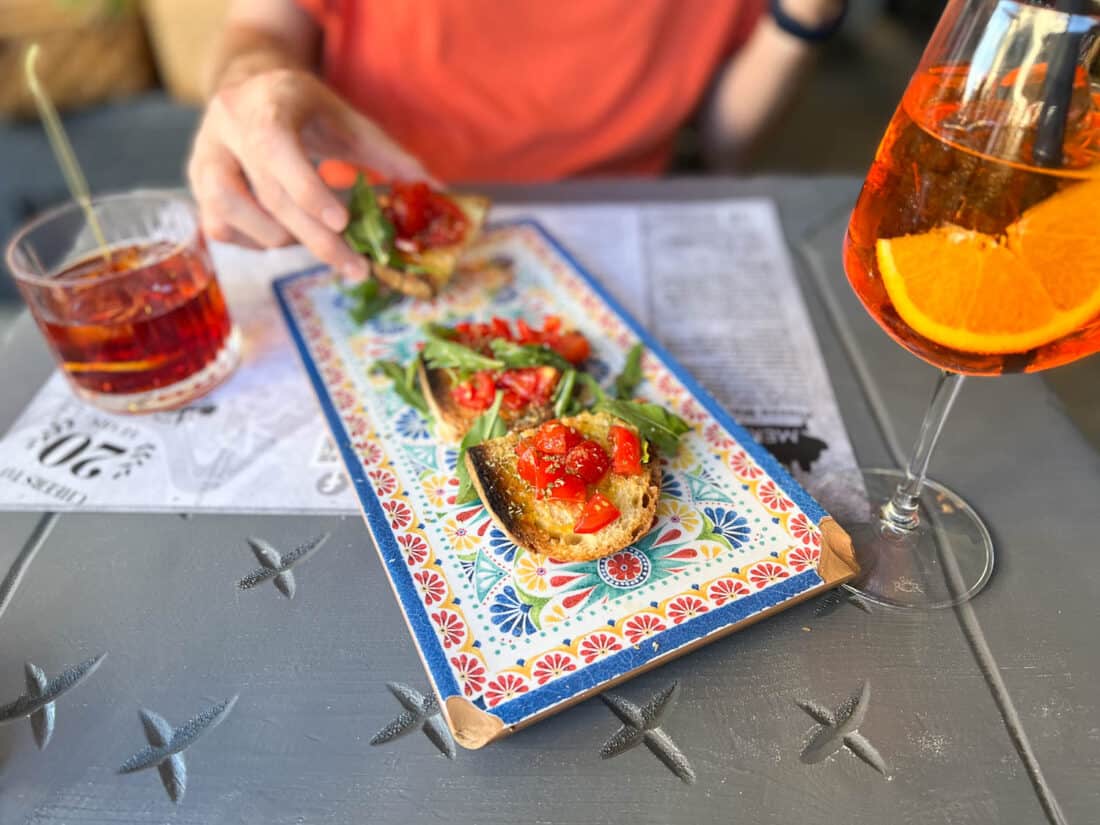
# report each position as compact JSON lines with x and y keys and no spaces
{"x":516,"y":356}
{"x":631,"y":376}
{"x":367,"y":300}
{"x":563,"y":392}
{"x":593,"y":387}
{"x":486,"y":426}
{"x":438,"y":331}
{"x":654,"y":422}
{"x":369,"y":231}
{"x":441,"y":354}
{"x":405,"y":383}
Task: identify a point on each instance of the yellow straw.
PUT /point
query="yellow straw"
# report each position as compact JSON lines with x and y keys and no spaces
{"x":63,"y":150}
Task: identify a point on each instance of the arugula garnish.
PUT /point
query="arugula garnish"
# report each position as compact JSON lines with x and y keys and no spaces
{"x":438,"y":331}
{"x":440,"y":353}
{"x":563,"y":393}
{"x":367,"y":299}
{"x":405,"y":383}
{"x":516,"y":356}
{"x":369,"y":231}
{"x":593,"y":387}
{"x":486,"y":426}
{"x":652,"y":421}
{"x":631,"y":376}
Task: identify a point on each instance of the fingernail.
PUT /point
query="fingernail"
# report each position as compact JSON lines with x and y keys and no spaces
{"x":355,"y":271}
{"x":334,"y":218}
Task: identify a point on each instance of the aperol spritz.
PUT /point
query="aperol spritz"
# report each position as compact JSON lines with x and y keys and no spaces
{"x":975,"y":244}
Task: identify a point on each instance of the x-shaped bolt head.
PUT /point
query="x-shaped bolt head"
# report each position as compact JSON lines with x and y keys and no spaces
{"x":641,"y":725}
{"x":840,"y":729}
{"x":167,"y":744}
{"x":277,"y":567}
{"x":38,"y":701}
{"x":419,"y":711}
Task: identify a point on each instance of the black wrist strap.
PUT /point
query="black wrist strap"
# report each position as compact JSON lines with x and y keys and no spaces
{"x":796,"y":29}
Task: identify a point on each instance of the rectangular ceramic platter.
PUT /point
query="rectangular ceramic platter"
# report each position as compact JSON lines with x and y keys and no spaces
{"x":508,"y":636}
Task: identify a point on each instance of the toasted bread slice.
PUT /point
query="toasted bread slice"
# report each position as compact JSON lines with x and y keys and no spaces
{"x":454,"y":420}
{"x":439,"y":261}
{"x":546,"y":526}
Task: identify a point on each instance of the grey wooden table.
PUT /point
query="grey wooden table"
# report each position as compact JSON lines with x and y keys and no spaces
{"x":987,"y":714}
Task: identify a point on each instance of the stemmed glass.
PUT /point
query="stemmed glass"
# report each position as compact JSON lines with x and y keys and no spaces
{"x":975,"y":243}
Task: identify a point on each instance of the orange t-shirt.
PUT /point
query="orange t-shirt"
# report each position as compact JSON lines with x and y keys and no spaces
{"x":530,"y":89}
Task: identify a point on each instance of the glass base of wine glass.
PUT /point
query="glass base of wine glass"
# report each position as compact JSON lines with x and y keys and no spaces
{"x":942,"y":563}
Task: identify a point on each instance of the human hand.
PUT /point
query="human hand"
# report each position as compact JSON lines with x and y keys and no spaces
{"x":251,"y":168}
{"x":813,"y":13}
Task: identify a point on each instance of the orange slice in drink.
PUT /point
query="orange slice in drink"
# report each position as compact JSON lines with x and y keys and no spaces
{"x":976,"y":293}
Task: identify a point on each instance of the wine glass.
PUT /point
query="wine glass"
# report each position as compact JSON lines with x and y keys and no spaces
{"x":975,"y":243}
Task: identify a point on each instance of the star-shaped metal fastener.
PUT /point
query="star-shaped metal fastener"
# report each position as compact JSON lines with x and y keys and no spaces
{"x":840,"y":729}
{"x":38,"y":701}
{"x":835,"y":599}
{"x":167,"y":744}
{"x":641,"y":726}
{"x":274,"y":566}
{"x":419,"y":712}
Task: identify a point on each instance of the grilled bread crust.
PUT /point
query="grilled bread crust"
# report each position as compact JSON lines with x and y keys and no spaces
{"x":546,"y":526}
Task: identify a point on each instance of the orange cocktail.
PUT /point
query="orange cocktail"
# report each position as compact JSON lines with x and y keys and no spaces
{"x":969,"y":254}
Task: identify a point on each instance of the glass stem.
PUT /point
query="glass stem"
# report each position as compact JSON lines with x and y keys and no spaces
{"x":900,"y":512}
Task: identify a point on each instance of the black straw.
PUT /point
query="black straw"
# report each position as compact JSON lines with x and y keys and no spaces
{"x":1058,"y":92}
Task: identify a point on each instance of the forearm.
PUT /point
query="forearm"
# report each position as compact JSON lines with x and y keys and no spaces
{"x":260,"y":36}
{"x":758,"y":84}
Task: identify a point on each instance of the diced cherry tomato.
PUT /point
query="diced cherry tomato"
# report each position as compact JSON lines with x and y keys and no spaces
{"x":409,"y":205}
{"x":501,"y":329}
{"x":588,"y":461}
{"x":462,"y":328}
{"x":477,"y":393}
{"x":524,"y":333}
{"x":513,"y":402}
{"x":530,"y":383}
{"x":572,"y":346}
{"x":547,"y":380}
{"x":540,"y":471}
{"x":482,"y":330}
{"x":568,"y":488}
{"x":527,"y":460}
{"x":597,"y":514}
{"x":626,"y":451}
{"x":548,"y":470}
{"x":424,"y":218}
{"x":551,"y":323}
{"x":555,"y":438}
{"x":523,"y":382}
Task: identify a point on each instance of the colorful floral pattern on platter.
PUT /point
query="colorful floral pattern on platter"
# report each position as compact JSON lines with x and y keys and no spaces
{"x":505,"y":621}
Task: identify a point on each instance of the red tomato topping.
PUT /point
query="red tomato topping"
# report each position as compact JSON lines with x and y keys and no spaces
{"x":424,"y":218}
{"x":572,"y":346}
{"x":551,"y":324}
{"x":597,"y":514}
{"x":501,"y":329}
{"x":587,"y":461}
{"x":555,"y":438}
{"x":568,"y":488}
{"x":524,"y":333}
{"x":527,"y":460}
{"x":540,"y":471}
{"x":626,"y":451}
{"x":477,"y":393}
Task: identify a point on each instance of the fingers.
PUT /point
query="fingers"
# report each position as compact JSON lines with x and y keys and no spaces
{"x":278,"y":154}
{"x":229,"y":211}
{"x":372,"y":147}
